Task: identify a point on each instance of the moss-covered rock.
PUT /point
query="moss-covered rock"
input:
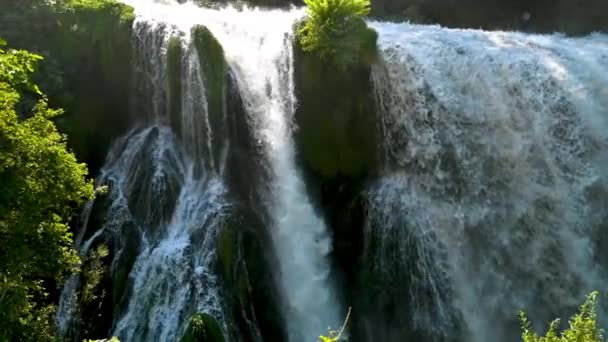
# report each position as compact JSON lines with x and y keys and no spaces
{"x":86,"y":69}
{"x":213,"y":66}
{"x":246,"y":263}
{"x":175,"y":54}
{"x":214,"y":71}
{"x":337,"y":134}
{"x":203,"y":328}
{"x":92,"y":42}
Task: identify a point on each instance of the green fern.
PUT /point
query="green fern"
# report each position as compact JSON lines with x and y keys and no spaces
{"x":335,"y":30}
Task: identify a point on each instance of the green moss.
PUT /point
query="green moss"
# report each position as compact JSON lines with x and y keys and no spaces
{"x":203,"y":328}
{"x":92,"y":42}
{"x":174,"y":74}
{"x":100,"y":30}
{"x":214,"y":72}
{"x":213,"y":67}
{"x":336,"y":114}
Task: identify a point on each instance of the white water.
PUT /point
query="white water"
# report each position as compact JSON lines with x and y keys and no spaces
{"x":173,"y":275}
{"x":167,"y":202}
{"x":495,"y":175}
{"x":257,"y":46}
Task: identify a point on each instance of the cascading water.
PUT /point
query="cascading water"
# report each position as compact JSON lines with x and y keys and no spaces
{"x":258,"y":46}
{"x":156,"y":167}
{"x":494,"y":180}
{"x":167,"y":193}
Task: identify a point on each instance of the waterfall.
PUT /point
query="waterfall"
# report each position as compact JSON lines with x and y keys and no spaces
{"x":259,"y":48}
{"x":167,"y":181}
{"x":166,"y":203}
{"x":495,"y":176}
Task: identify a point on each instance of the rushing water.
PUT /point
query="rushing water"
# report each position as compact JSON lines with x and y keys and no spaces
{"x":166,"y":192}
{"x":492,"y":196}
{"x":174,"y":180}
{"x":495,"y":176}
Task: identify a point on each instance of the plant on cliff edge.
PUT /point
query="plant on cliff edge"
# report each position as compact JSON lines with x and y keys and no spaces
{"x":336,"y":336}
{"x":336,"y":31}
{"x":583,"y":326}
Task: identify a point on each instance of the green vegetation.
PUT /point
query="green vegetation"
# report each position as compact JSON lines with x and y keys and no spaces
{"x":336,"y":32}
{"x":582,"y":326}
{"x":336,"y":336}
{"x":213,"y":70}
{"x":113,"y":339}
{"x":42,"y":184}
{"x":81,"y":41}
{"x":174,"y":80}
{"x":93,"y":273}
{"x":203,"y":328}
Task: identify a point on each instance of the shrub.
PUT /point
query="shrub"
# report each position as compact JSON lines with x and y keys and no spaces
{"x":582,"y":326}
{"x":42,"y":186}
{"x":336,"y":32}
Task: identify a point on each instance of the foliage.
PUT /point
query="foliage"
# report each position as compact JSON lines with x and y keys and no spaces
{"x":336,"y":31}
{"x":113,"y":339}
{"x":203,"y":328}
{"x":86,"y":69}
{"x":336,"y":336}
{"x":582,"y":326}
{"x":93,"y":273}
{"x":41,"y":185}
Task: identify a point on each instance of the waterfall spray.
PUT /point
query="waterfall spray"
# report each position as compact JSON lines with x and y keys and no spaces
{"x":494,"y":145}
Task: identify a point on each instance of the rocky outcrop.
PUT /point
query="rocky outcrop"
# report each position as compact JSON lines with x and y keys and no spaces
{"x":93,"y":46}
{"x":246,"y":263}
{"x":337,"y":135}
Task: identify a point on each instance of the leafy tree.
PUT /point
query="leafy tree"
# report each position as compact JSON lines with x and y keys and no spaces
{"x":41,"y":184}
{"x":582,"y":326}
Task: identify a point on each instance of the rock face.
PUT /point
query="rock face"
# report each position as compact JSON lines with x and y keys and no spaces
{"x":336,"y":134}
{"x":246,"y":263}
{"x":96,"y":57}
{"x":338,"y":144}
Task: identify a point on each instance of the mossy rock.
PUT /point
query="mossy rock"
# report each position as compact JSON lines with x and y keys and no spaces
{"x":203,"y":328}
{"x":92,"y":43}
{"x":175,"y":54}
{"x":246,"y":266}
{"x":336,"y":116}
{"x":349,"y":43}
{"x":214,"y":71}
{"x":213,"y":66}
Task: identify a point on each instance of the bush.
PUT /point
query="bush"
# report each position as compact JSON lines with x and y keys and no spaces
{"x":336,"y":32}
{"x":42,"y":187}
{"x":583,"y":326}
